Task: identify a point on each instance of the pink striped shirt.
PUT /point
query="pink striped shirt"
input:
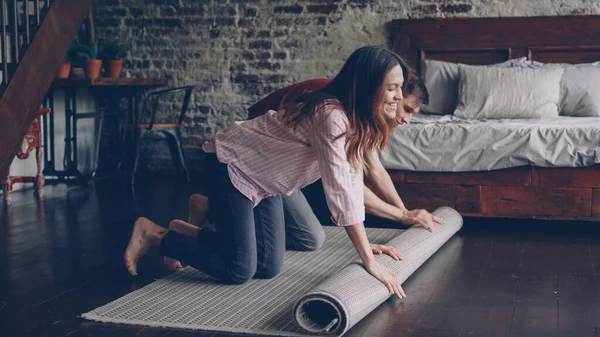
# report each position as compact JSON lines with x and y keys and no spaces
{"x":265,"y":157}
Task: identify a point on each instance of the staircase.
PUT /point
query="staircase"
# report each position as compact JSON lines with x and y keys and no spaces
{"x":35,"y":36}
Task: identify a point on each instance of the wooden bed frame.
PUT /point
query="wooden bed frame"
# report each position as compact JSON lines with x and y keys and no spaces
{"x":522,"y":192}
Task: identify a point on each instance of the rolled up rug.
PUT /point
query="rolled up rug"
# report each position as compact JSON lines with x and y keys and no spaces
{"x":343,"y":299}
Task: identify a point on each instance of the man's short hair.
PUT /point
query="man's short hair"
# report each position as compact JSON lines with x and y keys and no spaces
{"x":416,"y":86}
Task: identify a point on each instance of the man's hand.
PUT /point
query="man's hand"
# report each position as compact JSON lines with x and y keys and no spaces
{"x":422,"y":218}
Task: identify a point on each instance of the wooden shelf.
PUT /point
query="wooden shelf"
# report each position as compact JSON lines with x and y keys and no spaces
{"x":60,"y":83}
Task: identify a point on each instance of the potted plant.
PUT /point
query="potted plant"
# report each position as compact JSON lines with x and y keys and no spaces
{"x":113,"y":53}
{"x":65,"y":68}
{"x":92,"y":64}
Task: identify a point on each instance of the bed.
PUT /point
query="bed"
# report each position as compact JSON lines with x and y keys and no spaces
{"x":561,"y":184}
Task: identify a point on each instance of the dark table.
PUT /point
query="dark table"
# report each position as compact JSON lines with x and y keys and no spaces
{"x":107,"y":90}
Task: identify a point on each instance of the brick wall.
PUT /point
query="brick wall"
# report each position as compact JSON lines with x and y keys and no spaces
{"x":240,"y":50}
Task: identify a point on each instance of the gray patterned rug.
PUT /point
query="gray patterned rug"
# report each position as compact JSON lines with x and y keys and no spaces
{"x":317,"y":293}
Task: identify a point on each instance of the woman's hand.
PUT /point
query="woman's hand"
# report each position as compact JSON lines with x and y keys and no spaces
{"x":422,"y":218}
{"x":359,"y":239}
{"x":385,"y":276}
{"x":388,"y":250}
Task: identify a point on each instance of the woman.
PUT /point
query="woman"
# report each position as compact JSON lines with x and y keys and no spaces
{"x":306,"y":209}
{"x":381,"y":198}
{"x":321,"y":135}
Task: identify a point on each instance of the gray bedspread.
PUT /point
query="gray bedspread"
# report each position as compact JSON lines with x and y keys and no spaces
{"x":450,"y":144}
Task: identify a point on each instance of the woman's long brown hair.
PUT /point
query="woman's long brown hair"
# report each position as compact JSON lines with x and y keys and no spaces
{"x":357,"y":90}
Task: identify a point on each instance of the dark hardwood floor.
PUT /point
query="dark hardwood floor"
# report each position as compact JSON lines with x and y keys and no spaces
{"x":62,"y":256}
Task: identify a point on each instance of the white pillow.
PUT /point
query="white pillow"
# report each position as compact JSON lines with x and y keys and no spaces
{"x":441,"y":81}
{"x":495,"y":93}
{"x":579,"y":87}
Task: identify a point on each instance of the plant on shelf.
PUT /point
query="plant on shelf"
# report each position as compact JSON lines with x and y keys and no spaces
{"x":92,"y":63}
{"x":113,"y":53}
{"x":71,"y":59}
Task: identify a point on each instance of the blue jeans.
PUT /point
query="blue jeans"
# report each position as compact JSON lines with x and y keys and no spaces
{"x":248,"y":241}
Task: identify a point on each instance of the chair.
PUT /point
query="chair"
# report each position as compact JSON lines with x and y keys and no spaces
{"x":171,"y":131}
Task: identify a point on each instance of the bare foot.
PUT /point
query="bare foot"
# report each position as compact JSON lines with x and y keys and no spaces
{"x":145,"y":235}
{"x":198,"y":209}
{"x":186,"y":229}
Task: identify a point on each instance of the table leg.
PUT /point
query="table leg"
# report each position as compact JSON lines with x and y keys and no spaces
{"x":7,"y":187}
{"x":39,"y":178}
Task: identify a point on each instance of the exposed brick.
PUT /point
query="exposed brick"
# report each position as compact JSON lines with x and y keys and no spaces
{"x":322,"y":9}
{"x":269,"y":89}
{"x":279,"y":33}
{"x":266,"y":65}
{"x":275,"y":79}
{"x":136,"y":11}
{"x":245,"y":23}
{"x":458,"y":8}
{"x":288,"y":9}
{"x":171,"y":23}
{"x":140,"y":63}
{"x":225,"y":11}
{"x":194,"y":120}
{"x":194,"y":3}
{"x":360,"y":3}
{"x":194,"y":11}
{"x":237,"y":67}
{"x":260,"y":44}
{"x":286,"y":22}
{"x":107,"y":22}
{"x":289,"y":44}
{"x":225,"y":21}
{"x":237,"y":51}
{"x":246,"y":78}
{"x":198,"y":21}
{"x":156,"y":43}
{"x":425,"y":9}
{"x":138,"y":22}
{"x":263,"y":56}
{"x":280,"y":55}
{"x":204,"y":109}
{"x":168,"y":53}
{"x":112,"y":12}
{"x":251,"y":12}
{"x":167,"y":10}
{"x":251,"y":89}
{"x":304,"y":21}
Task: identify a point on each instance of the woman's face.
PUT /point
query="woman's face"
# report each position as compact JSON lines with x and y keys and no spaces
{"x":392,"y":92}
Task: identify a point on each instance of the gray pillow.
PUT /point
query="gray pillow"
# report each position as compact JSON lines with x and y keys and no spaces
{"x":496,"y":93}
{"x":441,"y":80}
{"x":579,"y":87}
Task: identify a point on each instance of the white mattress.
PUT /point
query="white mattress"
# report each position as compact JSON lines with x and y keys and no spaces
{"x":450,"y":144}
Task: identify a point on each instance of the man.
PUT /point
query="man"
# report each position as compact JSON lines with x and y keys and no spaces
{"x":308,"y":212}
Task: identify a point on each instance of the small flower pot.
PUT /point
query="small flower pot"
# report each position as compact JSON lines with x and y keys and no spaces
{"x":92,"y":68}
{"x":64,"y":71}
{"x":114,"y":68}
